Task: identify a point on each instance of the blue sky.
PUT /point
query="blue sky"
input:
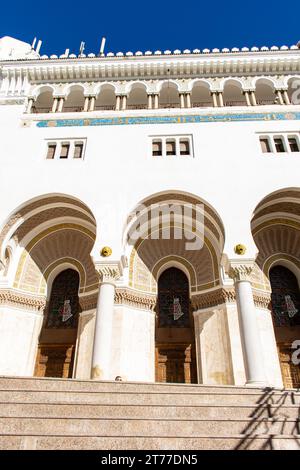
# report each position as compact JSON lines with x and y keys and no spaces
{"x":157,"y":24}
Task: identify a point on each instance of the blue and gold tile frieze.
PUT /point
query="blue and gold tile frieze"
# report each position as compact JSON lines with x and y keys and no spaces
{"x":180,"y":119}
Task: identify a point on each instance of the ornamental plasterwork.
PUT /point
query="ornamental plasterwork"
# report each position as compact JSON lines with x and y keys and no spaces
{"x":125,"y":296}
{"x":262,"y":299}
{"x":17,"y":299}
{"x":241,"y":271}
{"x":213,"y":298}
{"x":108,"y":273}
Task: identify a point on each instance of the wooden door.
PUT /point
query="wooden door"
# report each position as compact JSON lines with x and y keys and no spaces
{"x":175,"y":364}
{"x":55,"y":360}
{"x":290,"y":372}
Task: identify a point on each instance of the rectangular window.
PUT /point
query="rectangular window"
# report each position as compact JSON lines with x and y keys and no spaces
{"x":157,"y":148}
{"x":170,"y":147}
{"x":279,"y":145}
{"x":184,"y":147}
{"x":78,"y":150}
{"x":265,"y":145}
{"x":64,"y":150}
{"x":293,"y":144}
{"x":51,"y":151}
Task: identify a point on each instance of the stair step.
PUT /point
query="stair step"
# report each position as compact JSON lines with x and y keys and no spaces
{"x":252,"y":442}
{"x":82,"y":410}
{"x":141,"y":427}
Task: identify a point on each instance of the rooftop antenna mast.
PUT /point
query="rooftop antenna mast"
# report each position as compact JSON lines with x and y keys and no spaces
{"x":101,"y":52}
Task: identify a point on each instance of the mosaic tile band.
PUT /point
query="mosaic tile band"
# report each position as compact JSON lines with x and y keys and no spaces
{"x":123,"y":121}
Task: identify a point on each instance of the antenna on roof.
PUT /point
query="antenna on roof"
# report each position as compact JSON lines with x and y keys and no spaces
{"x":81,"y":49}
{"x":33,"y":43}
{"x":103,"y":41}
{"x":38,"y":47}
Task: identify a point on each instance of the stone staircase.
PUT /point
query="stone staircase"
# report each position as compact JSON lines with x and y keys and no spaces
{"x":76,"y":414}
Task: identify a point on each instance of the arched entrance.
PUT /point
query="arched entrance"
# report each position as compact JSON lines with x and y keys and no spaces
{"x":286,"y":316}
{"x":55,"y":357}
{"x":174,"y":333}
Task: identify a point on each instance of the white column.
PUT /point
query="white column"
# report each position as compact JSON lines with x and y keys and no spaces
{"x":60,"y":105}
{"x":149,"y":101}
{"x":124,"y":102}
{"x":254,"y":103}
{"x":92,"y":103}
{"x":250,"y":335}
{"x":286,"y":97}
{"x":214,"y":97}
{"x":118,"y":102}
{"x":181,"y":96}
{"x":188,"y":100}
{"x":279,"y":96}
{"x":54,"y":106}
{"x":104,"y":323}
{"x":155,"y":101}
{"x":29,"y":105}
{"x":86,"y":103}
{"x":221,"y":101}
{"x":246,"y":93}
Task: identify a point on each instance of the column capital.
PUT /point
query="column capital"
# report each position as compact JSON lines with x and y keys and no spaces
{"x":241,"y":270}
{"x":108,"y":273}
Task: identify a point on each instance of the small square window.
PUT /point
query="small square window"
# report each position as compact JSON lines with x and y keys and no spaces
{"x":184,"y":147}
{"x":171,"y":147}
{"x":265,"y":145}
{"x":279,"y":145}
{"x":51,"y":151}
{"x":64,"y":150}
{"x":78,"y":150}
{"x":293,"y":144}
{"x":157,"y":148}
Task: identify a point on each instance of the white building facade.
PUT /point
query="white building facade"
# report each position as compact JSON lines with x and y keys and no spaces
{"x":150,"y":215}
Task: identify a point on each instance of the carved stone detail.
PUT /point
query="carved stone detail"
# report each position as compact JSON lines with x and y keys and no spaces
{"x":262,"y":299}
{"x":18,"y":299}
{"x":135,"y":299}
{"x":241,"y":271}
{"x":108,"y":273}
{"x":88,"y":302}
{"x":213,"y":298}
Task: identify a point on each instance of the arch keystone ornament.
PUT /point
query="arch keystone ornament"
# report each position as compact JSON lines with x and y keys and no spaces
{"x":240,"y":249}
{"x":106,"y":251}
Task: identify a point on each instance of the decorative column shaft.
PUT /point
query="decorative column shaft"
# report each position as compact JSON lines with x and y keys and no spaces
{"x":250,"y":336}
{"x":221,"y":101}
{"x":60,"y":105}
{"x":54,"y":105}
{"x":104,"y":322}
{"x":279,"y":96}
{"x":246,"y":93}
{"x":86,"y":103}
{"x":118,"y":102}
{"x":286,"y":97}
{"x":29,"y":105}
{"x":155,"y":101}
{"x":181,"y":97}
{"x":253,"y":97}
{"x":188,"y":100}
{"x":124,"y":102}
{"x":215,"y":100}
{"x":92,"y":103}
{"x":149,"y":101}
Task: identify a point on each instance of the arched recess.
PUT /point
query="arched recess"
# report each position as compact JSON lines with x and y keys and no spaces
{"x":294,"y":89}
{"x":74,"y":101}
{"x":167,"y":231}
{"x":137,"y":98}
{"x":265,"y":91}
{"x":106,"y":98}
{"x":276,"y":231}
{"x":169,"y":95}
{"x":52,"y":233}
{"x":44,"y":99}
{"x":233,"y":93}
{"x":201,"y":95}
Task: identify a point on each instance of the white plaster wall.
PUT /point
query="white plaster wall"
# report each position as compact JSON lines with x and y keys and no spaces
{"x":19,"y":331}
{"x":213,"y":347}
{"x":228,"y":169}
{"x":269,"y":348}
{"x":133,"y":345}
{"x":237,"y":359}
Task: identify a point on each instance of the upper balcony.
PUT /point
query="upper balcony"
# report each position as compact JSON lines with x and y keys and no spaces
{"x":165,"y":94}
